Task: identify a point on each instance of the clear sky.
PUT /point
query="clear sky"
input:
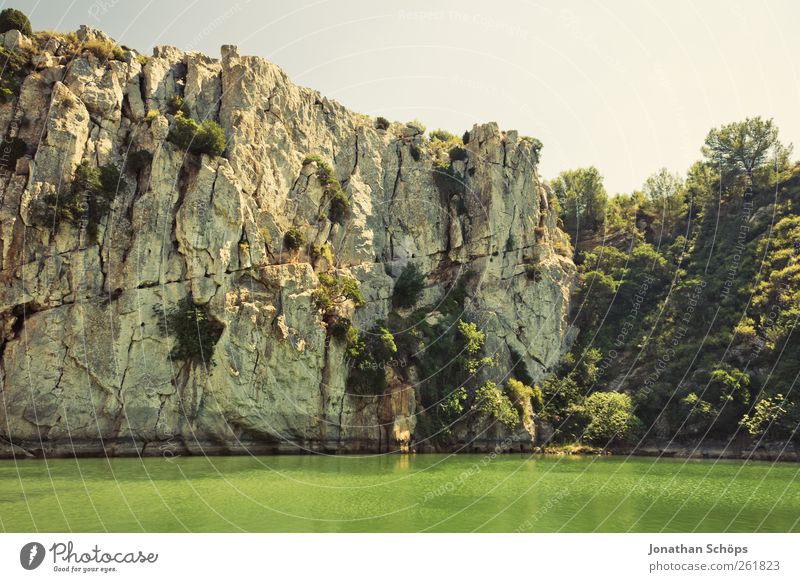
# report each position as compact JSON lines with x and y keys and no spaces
{"x":626,"y":86}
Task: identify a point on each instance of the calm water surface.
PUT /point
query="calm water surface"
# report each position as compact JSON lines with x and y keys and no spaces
{"x":398,"y":494}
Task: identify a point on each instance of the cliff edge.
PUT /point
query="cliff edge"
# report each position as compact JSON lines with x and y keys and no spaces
{"x":250,"y":242}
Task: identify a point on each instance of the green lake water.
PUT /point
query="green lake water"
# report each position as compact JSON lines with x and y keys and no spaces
{"x":397,"y":493}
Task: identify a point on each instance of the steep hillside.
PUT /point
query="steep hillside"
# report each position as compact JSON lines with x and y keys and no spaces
{"x":198,"y":255}
{"x":688,"y":305}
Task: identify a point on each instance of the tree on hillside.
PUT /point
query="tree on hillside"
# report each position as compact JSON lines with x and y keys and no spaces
{"x":743,"y":147}
{"x":666,"y":192}
{"x":582,"y":198}
{"x":12,"y":19}
{"x":662,"y":185}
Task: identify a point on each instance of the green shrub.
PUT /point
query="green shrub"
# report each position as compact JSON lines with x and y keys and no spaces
{"x":465,"y":137}
{"x":372,"y":356}
{"x":11,"y":149}
{"x":382,"y":123}
{"x":195,"y":332}
{"x":294,"y":239}
{"x":16,"y":65}
{"x":491,"y":401}
{"x":769,"y":418}
{"x":445,"y":148}
{"x":11,"y":19}
{"x":336,"y":289}
{"x":343,"y":330}
{"x":608,"y":416}
{"x":338,"y":204}
{"x":110,"y":180}
{"x":85,"y":203}
{"x":518,"y":368}
{"x":338,"y":327}
{"x":138,"y":161}
{"x":204,"y":138}
{"x":177,"y":105}
{"x":442,"y":135}
{"x":409,"y":286}
{"x":104,"y":50}
{"x":520,"y":391}
{"x":323,"y":251}
{"x":183,"y":132}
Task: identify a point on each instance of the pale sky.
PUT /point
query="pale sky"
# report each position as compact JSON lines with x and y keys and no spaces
{"x":626,"y":86}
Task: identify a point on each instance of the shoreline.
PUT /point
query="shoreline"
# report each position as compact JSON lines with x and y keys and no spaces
{"x":777,"y":452}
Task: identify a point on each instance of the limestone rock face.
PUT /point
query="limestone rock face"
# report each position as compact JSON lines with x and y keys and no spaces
{"x":85,"y":365}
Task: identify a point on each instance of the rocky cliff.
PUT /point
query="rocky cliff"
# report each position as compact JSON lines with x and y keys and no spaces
{"x":85,"y":365}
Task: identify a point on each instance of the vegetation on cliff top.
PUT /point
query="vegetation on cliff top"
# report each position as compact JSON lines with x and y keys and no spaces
{"x":12,"y":19}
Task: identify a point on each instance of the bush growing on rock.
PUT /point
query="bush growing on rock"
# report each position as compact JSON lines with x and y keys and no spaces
{"x":338,"y":204}
{"x":12,"y":19}
{"x":382,"y":123}
{"x":520,"y":391}
{"x":195,"y":332}
{"x":323,"y":252}
{"x":442,"y":135}
{"x":368,"y":366}
{"x":445,"y":148}
{"x":85,"y":203}
{"x":491,"y":401}
{"x":16,"y":64}
{"x":204,"y":138}
{"x":104,"y":50}
{"x":294,"y":239}
{"x":336,"y":289}
{"x":178,"y":105}
{"x":608,"y":416}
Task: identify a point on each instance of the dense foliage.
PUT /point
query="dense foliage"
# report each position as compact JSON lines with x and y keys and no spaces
{"x":197,"y":138}
{"x":333,"y":195}
{"x":84,"y":203}
{"x":194,"y":331}
{"x":294,"y":239}
{"x":687,"y":301}
{"x":12,"y":19}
